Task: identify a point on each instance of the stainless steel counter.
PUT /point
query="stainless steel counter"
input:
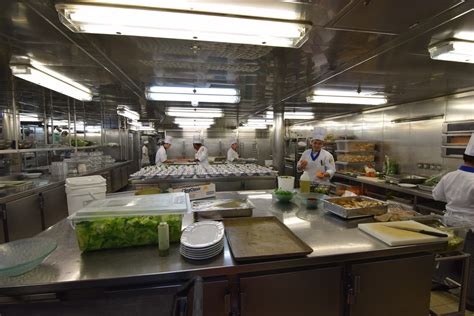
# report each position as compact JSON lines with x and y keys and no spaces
{"x":332,"y":239}
{"x":47,"y":182}
{"x":389,"y":186}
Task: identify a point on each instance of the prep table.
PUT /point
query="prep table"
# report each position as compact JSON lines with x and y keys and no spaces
{"x":344,"y":272}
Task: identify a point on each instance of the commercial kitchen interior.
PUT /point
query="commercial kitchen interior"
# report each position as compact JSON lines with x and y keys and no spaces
{"x":389,"y":50}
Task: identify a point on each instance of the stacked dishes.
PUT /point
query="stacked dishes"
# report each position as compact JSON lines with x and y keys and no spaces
{"x":202,"y":240}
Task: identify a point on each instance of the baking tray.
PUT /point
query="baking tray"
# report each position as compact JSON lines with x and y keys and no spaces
{"x":217,"y":209}
{"x":354,"y":212}
{"x":259,"y":238}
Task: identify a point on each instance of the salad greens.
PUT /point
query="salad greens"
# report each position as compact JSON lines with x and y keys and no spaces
{"x":118,"y":232}
{"x":283,"y":192}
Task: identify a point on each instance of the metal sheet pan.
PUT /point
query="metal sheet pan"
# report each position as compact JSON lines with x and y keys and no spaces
{"x":218,"y":209}
{"x":259,"y":238}
{"x":354,"y":212}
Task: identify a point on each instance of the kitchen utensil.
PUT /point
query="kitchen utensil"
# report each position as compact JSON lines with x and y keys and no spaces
{"x":421,"y":231}
{"x":20,"y":256}
{"x":258,"y":238}
{"x":398,"y":237}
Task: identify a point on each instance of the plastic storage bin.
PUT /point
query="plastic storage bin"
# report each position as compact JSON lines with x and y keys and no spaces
{"x":350,"y":167}
{"x":129,"y":221}
{"x":356,"y":157}
{"x":354,"y":145}
{"x":82,"y":190}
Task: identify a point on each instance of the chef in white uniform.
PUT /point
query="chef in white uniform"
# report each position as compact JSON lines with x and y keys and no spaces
{"x":457,"y":188}
{"x":145,"y":156}
{"x":317,"y":162}
{"x":161,"y":154}
{"x":232,"y":154}
{"x":201,"y":155}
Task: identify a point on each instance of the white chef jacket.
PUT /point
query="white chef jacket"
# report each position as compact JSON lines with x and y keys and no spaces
{"x":161,"y":155}
{"x":232,"y":155}
{"x":145,"y":157}
{"x":324,"y":163}
{"x":457,"y":189}
{"x":202,"y":156}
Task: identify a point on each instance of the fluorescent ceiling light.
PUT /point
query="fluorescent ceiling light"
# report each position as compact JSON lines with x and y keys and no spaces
{"x":346,"y":97}
{"x":191,"y":120}
{"x":193,"y":95}
{"x":254,"y":126}
{"x":260,"y":121}
{"x":465,"y":35}
{"x":123,"y":110}
{"x":35,"y":72}
{"x":458,"y":51}
{"x":182,"y":24}
{"x":29,"y":118}
{"x":194,"y":112}
{"x":195,"y":124}
{"x":293,"y":115}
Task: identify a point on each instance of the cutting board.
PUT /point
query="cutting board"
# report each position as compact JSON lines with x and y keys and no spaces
{"x":397,"y":237}
{"x":373,"y":179}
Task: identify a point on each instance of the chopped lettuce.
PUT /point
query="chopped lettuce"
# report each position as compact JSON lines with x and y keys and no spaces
{"x":118,"y":232}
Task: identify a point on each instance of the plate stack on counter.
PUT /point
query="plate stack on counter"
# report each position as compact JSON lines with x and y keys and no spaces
{"x":202,"y":240}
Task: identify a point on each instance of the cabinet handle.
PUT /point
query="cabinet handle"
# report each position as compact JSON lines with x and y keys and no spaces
{"x":227,"y":308}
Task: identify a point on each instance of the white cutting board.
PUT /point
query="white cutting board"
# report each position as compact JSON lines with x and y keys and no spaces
{"x":373,"y":179}
{"x":397,"y":237}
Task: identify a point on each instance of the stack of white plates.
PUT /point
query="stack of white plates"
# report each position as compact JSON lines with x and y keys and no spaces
{"x":202,"y":240}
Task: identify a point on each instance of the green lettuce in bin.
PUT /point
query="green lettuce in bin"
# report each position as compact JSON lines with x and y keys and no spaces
{"x":118,"y":232}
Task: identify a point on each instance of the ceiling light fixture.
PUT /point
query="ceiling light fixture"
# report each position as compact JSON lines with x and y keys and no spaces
{"x":181,"y":24}
{"x":457,"y":51}
{"x":125,"y":111}
{"x":35,"y":72}
{"x":193,"y":95}
{"x":180,"y":120}
{"x":293,"y":115}
{"x":194,"y":112}
{"x":346,"y":97}
{"x":259,"y":122}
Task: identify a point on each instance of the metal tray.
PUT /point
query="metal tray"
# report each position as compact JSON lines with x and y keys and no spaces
{"x":412,"y":179}
{"x":354,"y":212}
{"x":425,"y":188}
{"x":259,"y":238}
{"x":216,"y":210}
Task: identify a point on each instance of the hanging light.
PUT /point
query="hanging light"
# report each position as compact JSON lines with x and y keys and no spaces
{"x":458,"y":51}
{"x":346,"y":97}
{"x":194,"y":112}
{"x":125,"y":111}
{"x":293,"y":115}
{"x":167,"y":21}
{"x":193,"y":95}
{"x":35,"y":72}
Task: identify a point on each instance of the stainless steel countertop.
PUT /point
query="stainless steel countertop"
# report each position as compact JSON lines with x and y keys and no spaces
{"x":393,"y":187}
{"x":333,"y":240}
{"x":47,"y":182}
{"x":199,"y":180}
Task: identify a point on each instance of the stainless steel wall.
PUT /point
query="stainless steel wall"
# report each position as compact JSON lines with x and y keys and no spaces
{"x":410,"y":142}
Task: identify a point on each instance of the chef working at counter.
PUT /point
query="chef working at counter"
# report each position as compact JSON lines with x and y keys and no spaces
{"x":161,"y":155}
{"x":145,"y":156}
{"x":201,"y":155}
{"x":232,"y":154}
{"x":457,"y":189}
{"x":317,"y":162}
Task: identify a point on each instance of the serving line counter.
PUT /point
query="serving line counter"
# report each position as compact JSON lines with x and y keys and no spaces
{"x":27,"y":213}
{"x":422,"y":200}
{"x":348,"y":273}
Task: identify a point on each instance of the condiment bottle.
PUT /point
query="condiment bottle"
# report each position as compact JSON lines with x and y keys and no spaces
{"x":305,"y":183}
{"x":163,"y":239}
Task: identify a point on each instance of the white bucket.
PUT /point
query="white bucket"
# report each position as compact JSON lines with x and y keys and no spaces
{"x":286,"y":183}
{"x":82,"y":190}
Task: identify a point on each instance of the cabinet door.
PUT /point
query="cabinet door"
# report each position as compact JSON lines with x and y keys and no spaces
{"x":216,"y":300}
{"x":300,"y":293}
{"x":54,"y":206}
{"x":2,"y":223}
{"x":24,"y":218}
{"x":124,"y":174}
{"x":393,"y":287}
{"x":116,"y":179}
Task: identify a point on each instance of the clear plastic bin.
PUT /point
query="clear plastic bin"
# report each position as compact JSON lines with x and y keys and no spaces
{"x":356,"y":157}
{"x":355,"y":145}
{"x":129,"y":221}
{"x":347,"y":167}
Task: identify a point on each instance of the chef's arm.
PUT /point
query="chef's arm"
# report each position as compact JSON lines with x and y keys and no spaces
{"x":298,"y":165}
{"x":330,"y":167}
{"x":438,"y":192}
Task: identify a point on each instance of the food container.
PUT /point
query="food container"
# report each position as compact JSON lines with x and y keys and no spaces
{"x":350,"y":167}
{"x":341,"y":188}
{"x":286,"y":183}
{"x":221,"y":208}
{"x":354,"y":145}
{"x":356,"y":157}
{"x":372,"y":207}
{"x":129,"y":221}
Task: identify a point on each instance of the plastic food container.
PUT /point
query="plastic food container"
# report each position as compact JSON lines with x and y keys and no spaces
{"x":129,"y":221}
{"x":355,"y":145}
{"x":356,"y":157}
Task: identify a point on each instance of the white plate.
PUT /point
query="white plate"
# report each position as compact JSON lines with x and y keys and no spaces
{"x":201,"y":250}
{"x":202,"y":257}
{"x":407,"y":185}
{"x":202,"y":234}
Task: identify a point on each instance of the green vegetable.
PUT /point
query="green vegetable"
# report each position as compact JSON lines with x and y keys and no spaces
{"x":283,"y":192}
{"x":118,"y":232}
{"x":433,"y":181}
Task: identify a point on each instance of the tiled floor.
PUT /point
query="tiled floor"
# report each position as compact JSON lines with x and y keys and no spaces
{"x":445,"y":302}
